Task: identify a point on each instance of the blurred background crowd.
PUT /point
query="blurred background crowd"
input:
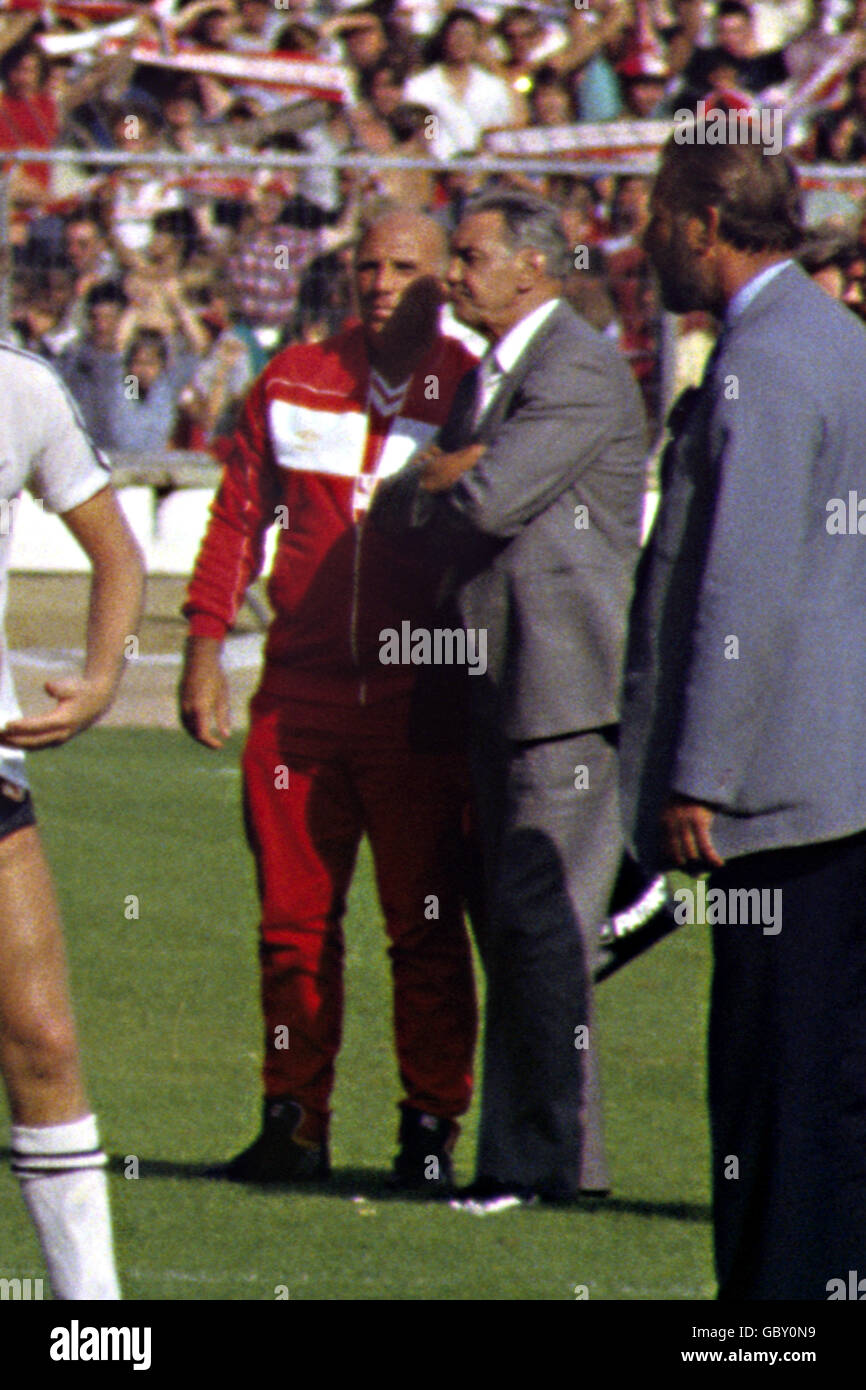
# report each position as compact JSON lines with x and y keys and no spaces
{"x":159,"y":289}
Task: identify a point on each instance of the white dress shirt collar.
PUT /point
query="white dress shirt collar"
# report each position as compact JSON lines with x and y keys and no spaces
{"x":752,"y":288}
{"x":500,"y":359}
{"x":509,"y":348}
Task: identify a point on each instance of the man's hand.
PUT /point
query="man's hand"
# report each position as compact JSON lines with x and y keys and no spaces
{"x":686,"y":834}
{"x":80,"y":702}
{"x":440,"y":471}
{"x":204,"y":693}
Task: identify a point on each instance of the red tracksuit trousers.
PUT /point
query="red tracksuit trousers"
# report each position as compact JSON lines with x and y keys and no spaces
{"x":317,"y":778}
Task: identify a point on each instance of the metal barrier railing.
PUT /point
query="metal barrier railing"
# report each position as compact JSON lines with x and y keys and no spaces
{"x":168,"y":164}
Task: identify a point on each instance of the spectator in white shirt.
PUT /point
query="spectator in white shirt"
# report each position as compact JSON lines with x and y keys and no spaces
{"x":466,"y":99}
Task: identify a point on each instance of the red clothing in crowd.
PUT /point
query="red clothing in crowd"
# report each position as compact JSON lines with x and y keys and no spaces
{"x":265,"y":272}
{"x":30,"y":123}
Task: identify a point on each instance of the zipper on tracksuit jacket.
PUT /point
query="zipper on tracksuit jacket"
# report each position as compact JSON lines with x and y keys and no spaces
{"x":353,"y":612}
{"x":378,"y":430}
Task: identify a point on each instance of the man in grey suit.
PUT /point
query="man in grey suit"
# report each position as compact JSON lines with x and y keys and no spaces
{"x":744,"y":730}
{"x":535,"y":493}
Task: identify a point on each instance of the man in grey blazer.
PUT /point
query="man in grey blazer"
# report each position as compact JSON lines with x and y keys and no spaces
{"x":534,"y":495}
{"x":744,"y":731}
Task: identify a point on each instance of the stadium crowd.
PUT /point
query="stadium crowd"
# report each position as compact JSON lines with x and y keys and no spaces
{"x":160,"y":291}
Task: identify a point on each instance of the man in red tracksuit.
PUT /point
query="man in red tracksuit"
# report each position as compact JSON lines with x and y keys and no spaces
{"x":329,"y":755}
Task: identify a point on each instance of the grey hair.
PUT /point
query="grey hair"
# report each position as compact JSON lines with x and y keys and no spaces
{"x":529,"y":221}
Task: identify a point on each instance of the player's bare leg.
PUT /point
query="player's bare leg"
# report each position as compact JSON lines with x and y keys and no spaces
{"x":55,"y":1146}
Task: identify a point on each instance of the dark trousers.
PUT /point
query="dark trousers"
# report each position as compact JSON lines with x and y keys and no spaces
{"x":551,"y":852}
{"x":788,"y":1077}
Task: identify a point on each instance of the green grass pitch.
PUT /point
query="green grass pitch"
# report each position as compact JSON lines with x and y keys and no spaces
{"x":168,"y":1010}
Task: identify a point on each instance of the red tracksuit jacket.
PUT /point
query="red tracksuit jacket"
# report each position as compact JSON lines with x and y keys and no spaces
{"x":314,"y":435}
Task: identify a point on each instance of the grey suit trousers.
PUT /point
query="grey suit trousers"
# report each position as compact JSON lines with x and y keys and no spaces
{"x":551,"y":853}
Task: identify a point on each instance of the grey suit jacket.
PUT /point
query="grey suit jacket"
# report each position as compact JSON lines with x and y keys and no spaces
{"x":746,"y":670}
{"x":542,"y":535}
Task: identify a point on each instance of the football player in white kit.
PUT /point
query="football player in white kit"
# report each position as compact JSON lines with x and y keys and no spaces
{"x":55,"y":1147}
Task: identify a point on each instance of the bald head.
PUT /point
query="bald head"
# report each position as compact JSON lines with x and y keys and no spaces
{"x":399,"y":269}
{"x":403,"y":228}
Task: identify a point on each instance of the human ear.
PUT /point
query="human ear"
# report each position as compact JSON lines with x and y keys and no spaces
{"x":530,"y":265}
{"x":702,"y":230}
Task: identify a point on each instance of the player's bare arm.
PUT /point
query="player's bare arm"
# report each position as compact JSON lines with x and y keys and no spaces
{"x":116,"y":594}
{"x":204,"y":694}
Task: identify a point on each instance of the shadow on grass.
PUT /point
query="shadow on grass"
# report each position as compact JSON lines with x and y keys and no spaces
{"x":372,"y":1184}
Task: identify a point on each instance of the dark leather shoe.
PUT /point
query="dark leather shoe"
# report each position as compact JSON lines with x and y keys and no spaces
{"x":490,"y":1197}
{"x":424,"y":1159}
{"x":278,"y":1155}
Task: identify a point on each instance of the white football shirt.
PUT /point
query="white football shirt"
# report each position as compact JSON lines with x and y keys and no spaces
{"x":45,"y":449}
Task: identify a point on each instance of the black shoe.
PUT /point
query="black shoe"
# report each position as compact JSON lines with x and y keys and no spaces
{"x":489,"y":1197}
{"x":424,"y":1162}
{"x":629,"y":933}
{"x":277,"y":1156}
